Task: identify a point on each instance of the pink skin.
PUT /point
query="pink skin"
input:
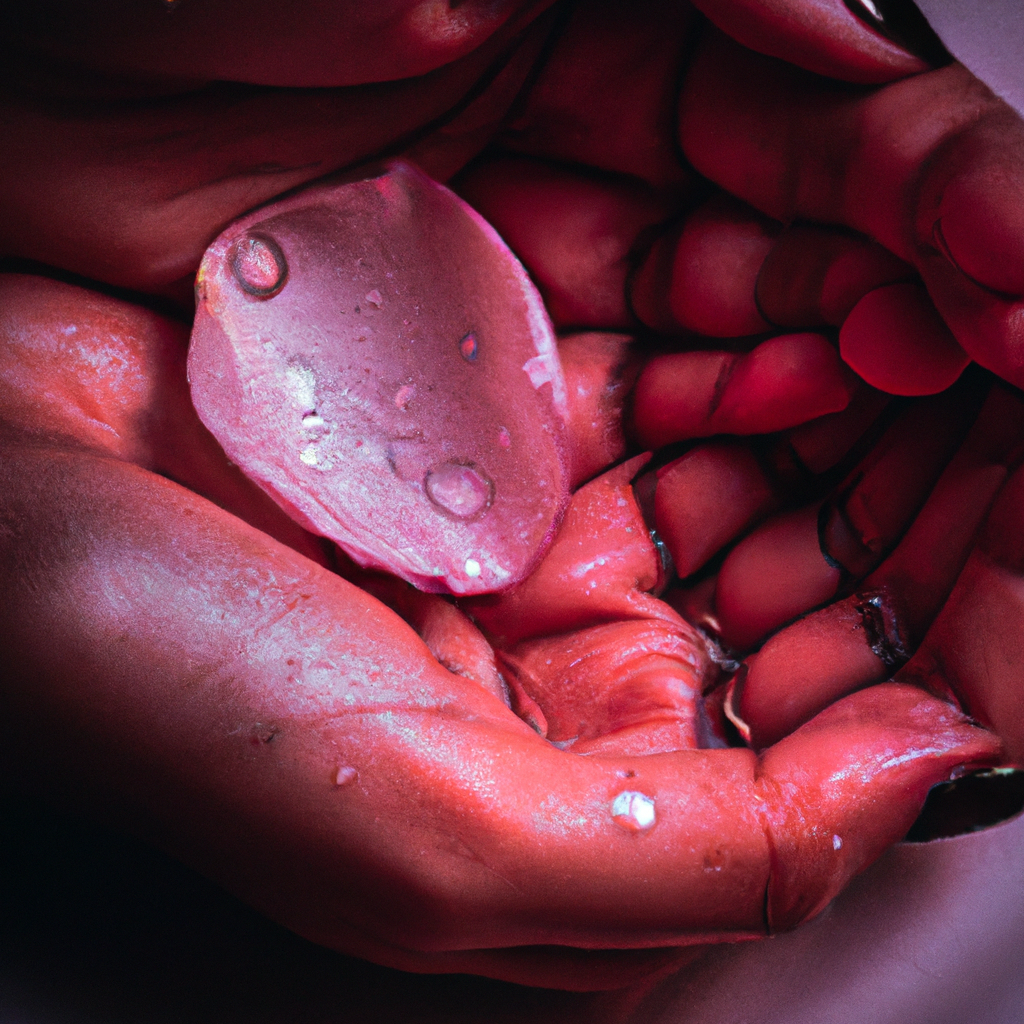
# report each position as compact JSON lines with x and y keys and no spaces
{"x":575,"y":234}
{"x":799,"y":559}
{"x":245,"y":723}
{"x":141,"y":216}
{"x":783,"y":382}
{"x":897,"y":342}
{"x":707,"y":270}
{"x":251,"y":42}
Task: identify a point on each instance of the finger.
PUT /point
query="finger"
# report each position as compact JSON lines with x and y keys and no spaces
{"x":446,"y":630}
{"x":878,"y":722}
{"x":630,"y":687}
{"x":702,"y":276}
{"x":573,"y":230}
{"x":376,"y":799}
{"x":782,"y":382}
{"x":129,"y":195}
{"x":110,"y":377}
{"x":728,"y":271}
{"x":593,"y":662}
{"x":897,"y":342}
{"x":606,"y":95}
{"x":696,"y":604}
{"x":345,"y":44}
{"x":815,"y":275}
{"x":708,"y":497}
{"x":974,"y":646}
{"x":822,"y":36}
{"x":714,"y":493}
{"x":970,"y":238}
{"x":798,"y":560}
{"x":600,"y":568}
{"x":599,"y":369}
{"x":871,"y":509}
{"x":868,"y":635}
{"x":773,"y":575}
{"x":900,"y":164}
{"x":822,"y":443}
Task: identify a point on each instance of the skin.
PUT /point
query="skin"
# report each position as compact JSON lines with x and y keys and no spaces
{"x":126,"y":185}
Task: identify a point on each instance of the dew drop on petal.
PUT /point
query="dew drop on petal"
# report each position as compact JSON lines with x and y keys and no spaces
{"x":259,"y":266}
{"x":504,"y":437}
{"x":837,"y":843}
{"x":374,"y":298}
{"x":346,"y":776}
{"x":472,"y":568}
{"x":633,"y":811}
{"x":468,"y":348}
{"x":462,"y":489}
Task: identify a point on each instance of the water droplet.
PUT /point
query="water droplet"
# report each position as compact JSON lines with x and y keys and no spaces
{"x":403,"y":396}
{"x":462,"y":489}
{"x":312,"y":419}
{"x":837,"y":843}
{"x":346,"y":776}
{"x":308,"y":455}
{"x":633,"y":811}
{"x":472,"y":568}
{"x":504,"y":438}
{"x":259,"y":266}
{"x":374,"y":298}
{"x":468,"y":347}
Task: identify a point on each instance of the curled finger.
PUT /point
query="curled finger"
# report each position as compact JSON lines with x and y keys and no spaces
{"x":868,"y":635}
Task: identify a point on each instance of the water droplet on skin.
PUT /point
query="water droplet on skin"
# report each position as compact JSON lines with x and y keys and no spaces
{"x":468,"y":347}
{"x":633,"y":811}
{"x":374,"y":298}
{"x":837,"y":843}
{"x":259,"y":266}
{"x":346,"y":776}
{"x":461,"y":489}
{"x":472,"y":568}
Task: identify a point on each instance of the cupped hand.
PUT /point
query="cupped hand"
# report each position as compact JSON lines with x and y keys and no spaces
{"x":184,"y":674}
{"x":217,"y":688}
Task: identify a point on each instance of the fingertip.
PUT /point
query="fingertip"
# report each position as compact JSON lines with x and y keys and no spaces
{"x":979,"y":223}
{"x":860,"y":771}
{"x":896,"y":341}
{"x":823,"y":36}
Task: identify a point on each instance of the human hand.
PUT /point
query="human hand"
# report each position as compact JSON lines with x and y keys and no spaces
{"x":216,"y":691}
{"x":830,"y":157}
{"x":195,"y":221}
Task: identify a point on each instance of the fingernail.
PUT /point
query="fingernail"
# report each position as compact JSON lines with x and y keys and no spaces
{"x":733,"y":697}
{"x":881,"y":628}
{"x":644,"y":487}
{"x":903,"y":24}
